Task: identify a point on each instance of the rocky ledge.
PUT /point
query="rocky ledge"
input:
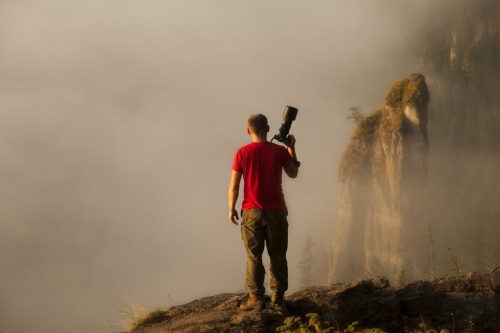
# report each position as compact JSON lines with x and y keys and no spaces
{"x":454,"y":304}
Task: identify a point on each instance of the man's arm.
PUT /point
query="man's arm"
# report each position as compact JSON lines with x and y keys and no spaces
{"x":234,"y":190}
{"x":292,"y":170}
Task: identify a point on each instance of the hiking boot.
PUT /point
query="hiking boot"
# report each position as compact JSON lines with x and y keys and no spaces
{"x":278,"y":299}
{"x":254,"y":302}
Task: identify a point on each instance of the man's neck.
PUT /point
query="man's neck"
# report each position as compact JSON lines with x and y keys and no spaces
{"x":259,"y":138}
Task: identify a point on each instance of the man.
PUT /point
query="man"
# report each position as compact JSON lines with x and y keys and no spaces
{"x":264,"y":212}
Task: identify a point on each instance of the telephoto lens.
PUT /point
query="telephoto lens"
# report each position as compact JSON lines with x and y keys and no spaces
{"x":289,"y":116}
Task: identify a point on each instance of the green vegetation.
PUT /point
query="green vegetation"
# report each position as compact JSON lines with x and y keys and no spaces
{"x":356,"y":153}
{"x":356,"y":115}
{"x":456,"y":264}
{"x":313,"y":323}
{"x":401,"y":278}
{"x":306,"y":264}
{"x":367,"y":127}
{"x":297,"y":325}
{"x":431,"y":269}
{"x":412,"y":92}
{"x":150,"y":318}
{"x":382,"y":122}
{"x":138,"y":316}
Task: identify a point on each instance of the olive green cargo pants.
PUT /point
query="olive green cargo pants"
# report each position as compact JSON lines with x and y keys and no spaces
{"x":269,"y":228}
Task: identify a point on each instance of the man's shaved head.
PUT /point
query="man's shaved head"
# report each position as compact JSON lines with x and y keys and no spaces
{"x":257,"y":123}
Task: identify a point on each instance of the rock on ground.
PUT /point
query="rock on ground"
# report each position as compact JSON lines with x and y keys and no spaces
{"x":455,"y":304}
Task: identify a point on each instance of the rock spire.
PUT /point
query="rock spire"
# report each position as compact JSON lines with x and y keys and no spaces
{"x":378,"y":226}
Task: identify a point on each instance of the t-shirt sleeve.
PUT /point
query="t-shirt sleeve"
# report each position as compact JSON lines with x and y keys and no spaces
{"x":237,"y":162}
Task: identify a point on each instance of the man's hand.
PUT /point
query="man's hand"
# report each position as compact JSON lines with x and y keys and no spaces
{"x":234,"y":188}
{"x":233,"y":216}
{"x":290,"y":143}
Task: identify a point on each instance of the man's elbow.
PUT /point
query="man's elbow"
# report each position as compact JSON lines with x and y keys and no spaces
{"x":292,"y":172}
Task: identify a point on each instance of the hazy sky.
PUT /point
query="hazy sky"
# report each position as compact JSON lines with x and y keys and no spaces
{"x":119,"y":122}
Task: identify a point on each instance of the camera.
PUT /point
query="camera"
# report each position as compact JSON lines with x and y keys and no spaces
{"x":289,"y":116}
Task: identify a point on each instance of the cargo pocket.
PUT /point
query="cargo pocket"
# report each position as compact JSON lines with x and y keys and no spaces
{"x":249,"y":218}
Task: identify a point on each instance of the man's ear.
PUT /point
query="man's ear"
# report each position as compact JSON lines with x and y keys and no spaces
{"x":248,"y":130}
{"x":268,"y":128}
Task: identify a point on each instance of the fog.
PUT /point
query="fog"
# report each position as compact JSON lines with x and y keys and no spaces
{"x":119,"y":122}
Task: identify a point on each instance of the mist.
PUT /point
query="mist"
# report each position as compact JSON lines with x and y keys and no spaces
{"x":119,"y":122}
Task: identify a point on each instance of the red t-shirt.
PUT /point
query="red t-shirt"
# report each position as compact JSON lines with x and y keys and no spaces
{"x":261,"y":164}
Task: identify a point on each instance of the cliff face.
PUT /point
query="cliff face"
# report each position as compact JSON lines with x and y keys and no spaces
{"x":388,"y":221}
{"x":460,"y":62}
{"x":381,"y":177}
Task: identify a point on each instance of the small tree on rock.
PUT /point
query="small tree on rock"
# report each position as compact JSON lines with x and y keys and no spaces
{"x":356,"y":115}
{"x":306,"y":264}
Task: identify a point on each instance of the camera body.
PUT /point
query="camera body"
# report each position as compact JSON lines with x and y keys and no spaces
{"x":289,"y":116}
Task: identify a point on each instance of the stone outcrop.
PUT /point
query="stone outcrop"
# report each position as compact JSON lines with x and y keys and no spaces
{"x":457,"y":304}
{"x":378,"y":227}
{"x":459,"y":59}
